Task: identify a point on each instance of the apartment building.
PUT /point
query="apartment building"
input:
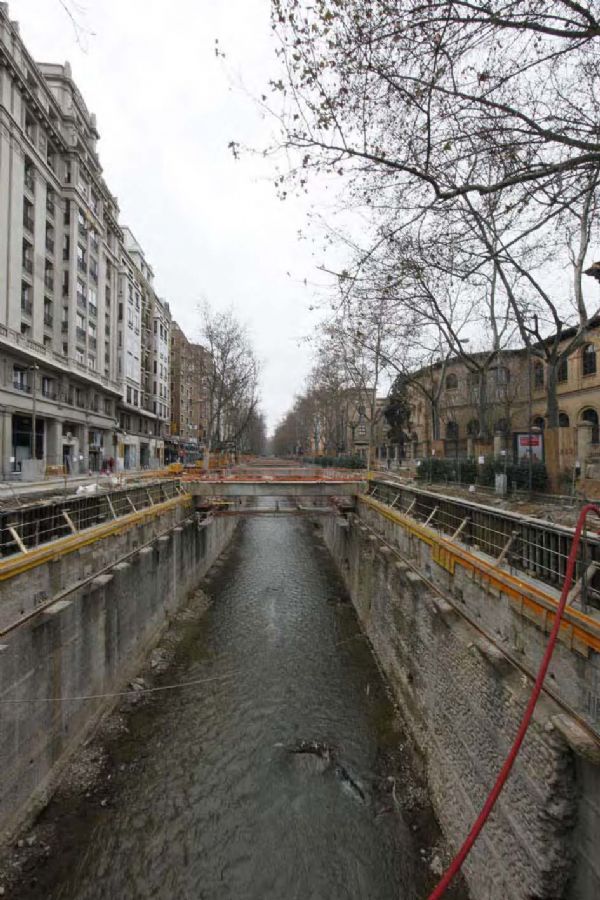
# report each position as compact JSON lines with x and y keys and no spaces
{"x":189,"y":397}
{"x":143,"y":361}
{"x":59,"y":246}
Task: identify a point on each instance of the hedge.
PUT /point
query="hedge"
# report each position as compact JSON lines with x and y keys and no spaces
{"x":337,"y":462}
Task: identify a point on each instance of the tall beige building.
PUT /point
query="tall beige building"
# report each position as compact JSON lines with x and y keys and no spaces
{"x":59,"y":264}
{"x":84,"y":338}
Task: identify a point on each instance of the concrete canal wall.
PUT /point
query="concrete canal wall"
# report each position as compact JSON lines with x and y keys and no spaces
{"x":462,"y":699}
{"x":91,"y":642}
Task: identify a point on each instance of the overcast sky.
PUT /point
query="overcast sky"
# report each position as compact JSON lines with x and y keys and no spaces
{"x":167,"y":108}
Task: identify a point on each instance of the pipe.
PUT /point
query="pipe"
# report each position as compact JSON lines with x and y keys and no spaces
{"x":489,"y":804}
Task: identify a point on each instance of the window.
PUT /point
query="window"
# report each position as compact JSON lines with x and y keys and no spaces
{"x":589,"y":359}
{"x":539,"y":422}
{"x":538,"y":375}
{"x":28,"y":221}
{"x":451,"y":382}
{"x":29,"y":176}
{"x":563,"y":420}
{"x":21,"y":378}
{"x":80,"y":356}
{"x":107,"y":407}
{"x":452,"y":431}
{"x":81,"y":258}
{"x":47,"y":386}
{"x":362,"y":429}
{"x":502,"y":375}
{"x":591,"y":416}
{"x":562,"y":370}
{"x":26,"y":301}
{"x":473,"y":428}
{"x":128,"y":393}
{"x":501,"y":426}
{"x":135,"y":398}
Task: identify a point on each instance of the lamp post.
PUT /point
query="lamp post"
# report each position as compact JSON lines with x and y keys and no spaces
{"x":33,"y":369}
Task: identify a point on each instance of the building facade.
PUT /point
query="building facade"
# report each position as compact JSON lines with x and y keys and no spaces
{"x":189,"y":396}
{"x":143,"y":361}
{"x":59,"y":245}
{"x":84,"y":339}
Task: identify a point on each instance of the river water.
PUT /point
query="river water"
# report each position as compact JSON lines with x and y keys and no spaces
{"x":211,"y":800}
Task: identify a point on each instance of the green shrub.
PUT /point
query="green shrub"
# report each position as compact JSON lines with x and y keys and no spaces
{"x":336,"y":462}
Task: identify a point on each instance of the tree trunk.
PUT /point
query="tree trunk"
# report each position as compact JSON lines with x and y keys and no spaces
{"x":552,"y":394}
{"x":482,"y":410}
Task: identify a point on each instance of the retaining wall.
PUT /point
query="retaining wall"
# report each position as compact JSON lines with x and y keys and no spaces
{"x":88,"y":644}
{"x":462,"y":701}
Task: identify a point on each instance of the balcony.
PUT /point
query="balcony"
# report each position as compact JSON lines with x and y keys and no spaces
{"x":28,"y":222}
{"x":28,"y":265}
{"x":48,"y":319}
{"x":80,"y":335}
{"x":82,"y":265}
{"x":26,"y":306}
{"x":49,"y":244}
{"x":22,"y":386}
{"x":49,"y":280}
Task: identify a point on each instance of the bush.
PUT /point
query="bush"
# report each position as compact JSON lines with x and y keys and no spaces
{"x":336,"y":462}
{"x":468,"y":471}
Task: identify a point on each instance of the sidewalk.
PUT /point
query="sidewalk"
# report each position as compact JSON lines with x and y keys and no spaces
{"x":55,"y":484}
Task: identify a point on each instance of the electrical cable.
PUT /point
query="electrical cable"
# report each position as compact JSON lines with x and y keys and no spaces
{"x":489,"y":804}
{"x":136,"y":691}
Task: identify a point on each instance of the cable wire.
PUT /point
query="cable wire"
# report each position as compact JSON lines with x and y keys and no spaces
{"x":489,"y":804}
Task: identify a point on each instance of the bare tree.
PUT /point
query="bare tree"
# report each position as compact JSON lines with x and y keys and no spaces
{"x":231,"y":379}
{"x":428,"y":93}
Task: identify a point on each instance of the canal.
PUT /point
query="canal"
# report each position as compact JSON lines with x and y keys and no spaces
{"x":285,"y":774}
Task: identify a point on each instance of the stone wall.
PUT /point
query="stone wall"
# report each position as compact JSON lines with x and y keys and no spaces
{"x":89,"y":644}
{"x":462,"y":701}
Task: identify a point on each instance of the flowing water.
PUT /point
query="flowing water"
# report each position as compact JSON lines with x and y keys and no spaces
{"x":212,"y":799}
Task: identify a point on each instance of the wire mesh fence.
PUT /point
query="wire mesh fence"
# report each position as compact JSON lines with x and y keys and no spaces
{"x":536,"y":548}
{"x":23,"y":528}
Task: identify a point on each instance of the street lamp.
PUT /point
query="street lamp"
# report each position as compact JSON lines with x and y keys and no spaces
{"x":33,"y":369}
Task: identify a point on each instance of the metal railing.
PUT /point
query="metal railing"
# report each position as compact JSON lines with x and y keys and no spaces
{"x":24,"y":528}
{"x":535,"y":547}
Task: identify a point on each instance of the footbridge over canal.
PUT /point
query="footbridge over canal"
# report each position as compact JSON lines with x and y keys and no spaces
{"x":457,"y":600}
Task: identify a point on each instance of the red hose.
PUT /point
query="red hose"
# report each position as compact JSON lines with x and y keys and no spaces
{"x":488,"y":806}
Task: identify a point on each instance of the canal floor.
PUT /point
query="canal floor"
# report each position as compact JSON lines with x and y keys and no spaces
{"x":209,"y":798}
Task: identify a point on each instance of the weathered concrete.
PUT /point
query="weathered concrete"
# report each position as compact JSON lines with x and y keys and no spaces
{"x":462,"y":700}
{"x":38,"y":583}
{"x":53,"y":668}
{"x":267,"y":488}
